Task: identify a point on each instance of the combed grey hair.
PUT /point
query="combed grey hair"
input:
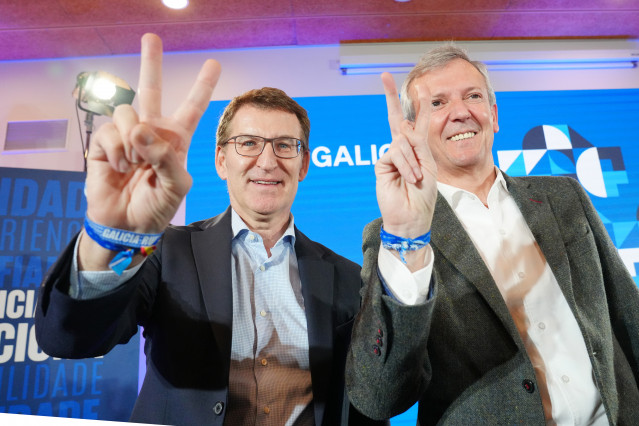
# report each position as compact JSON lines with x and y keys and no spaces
{"x":438,"y":58}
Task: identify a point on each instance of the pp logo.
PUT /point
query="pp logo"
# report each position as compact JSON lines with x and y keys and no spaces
{"x":559,"y":150}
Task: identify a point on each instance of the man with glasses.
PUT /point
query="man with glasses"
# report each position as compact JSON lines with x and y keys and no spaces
{"x":246,"y":320}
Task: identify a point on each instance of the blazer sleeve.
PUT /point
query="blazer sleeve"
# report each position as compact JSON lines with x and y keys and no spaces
{"x":69,"y":328}
{"x":387,"y":369}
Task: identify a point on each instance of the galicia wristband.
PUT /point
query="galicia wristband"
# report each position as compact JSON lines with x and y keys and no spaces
{"x":126,"y":243}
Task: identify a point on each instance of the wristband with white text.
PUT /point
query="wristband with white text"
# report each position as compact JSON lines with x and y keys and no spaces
{"x":126,"y":243}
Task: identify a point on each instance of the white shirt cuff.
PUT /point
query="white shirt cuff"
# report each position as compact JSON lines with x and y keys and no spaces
{"x":408,"y":288}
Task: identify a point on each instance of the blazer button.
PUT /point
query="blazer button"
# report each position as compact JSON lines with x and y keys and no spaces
{"x":376,"y":350}
{"x":380,"y":333}
{"x":528,"y":385}
{"x":379,"y":341}
{"x":218,"y":408}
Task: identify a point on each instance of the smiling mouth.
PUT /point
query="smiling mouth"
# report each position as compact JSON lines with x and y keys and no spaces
{"x":266,"y":182}
{"x":462,"y":136}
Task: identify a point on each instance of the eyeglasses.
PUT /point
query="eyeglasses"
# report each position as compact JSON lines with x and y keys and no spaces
{"x":252,"y":146}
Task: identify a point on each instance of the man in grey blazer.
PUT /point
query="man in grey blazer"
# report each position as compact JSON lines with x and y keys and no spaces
{"x":490,"y":299}
{"x":246,"y":320}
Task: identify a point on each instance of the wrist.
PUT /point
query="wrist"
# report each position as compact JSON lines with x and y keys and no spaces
{"x":122,"y":245}
{"x":404,"y":246}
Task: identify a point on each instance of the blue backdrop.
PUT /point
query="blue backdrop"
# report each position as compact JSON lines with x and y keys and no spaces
{"x":40,"y":211}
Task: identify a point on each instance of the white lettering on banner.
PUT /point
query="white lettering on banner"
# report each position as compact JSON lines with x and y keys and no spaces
{"x":17,"y":304}
{"x":322,"y":156}
{"x":16,"y":343}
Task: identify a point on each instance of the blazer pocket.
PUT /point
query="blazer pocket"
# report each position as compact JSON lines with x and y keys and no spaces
{"x":581,"y":240}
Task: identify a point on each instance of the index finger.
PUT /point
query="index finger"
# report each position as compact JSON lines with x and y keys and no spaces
{"x":150,"y":83}
{"x":394,"y":107}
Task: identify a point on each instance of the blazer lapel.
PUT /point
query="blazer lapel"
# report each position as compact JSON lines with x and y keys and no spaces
{"x":317,"y":277}
{"x":212,"y":252}
{"x":451,"y":240}
{"x":538,"y":213}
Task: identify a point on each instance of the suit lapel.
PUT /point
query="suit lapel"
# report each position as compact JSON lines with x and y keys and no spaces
{"x":212,"y":253}
{"x":317,"y":278}
{"x":451,"y":240}
{"x":537,"y":211}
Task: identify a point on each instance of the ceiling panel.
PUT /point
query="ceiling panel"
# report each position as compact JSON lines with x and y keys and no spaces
{"x":372,"y":7}
{"x":62,"y":28}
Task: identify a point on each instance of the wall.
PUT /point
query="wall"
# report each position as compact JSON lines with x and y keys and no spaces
{"x":41,"y":90}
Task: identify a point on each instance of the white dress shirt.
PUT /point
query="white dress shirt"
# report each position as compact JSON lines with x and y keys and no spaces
{"x":545,"y":322}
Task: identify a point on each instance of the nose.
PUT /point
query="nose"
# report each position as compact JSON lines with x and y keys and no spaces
{"x":459,"y":110}
{"x":267,"y":159}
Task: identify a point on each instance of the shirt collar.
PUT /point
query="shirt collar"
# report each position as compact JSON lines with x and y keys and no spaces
{"x":239,"y":228}
{"x":453,"y":195}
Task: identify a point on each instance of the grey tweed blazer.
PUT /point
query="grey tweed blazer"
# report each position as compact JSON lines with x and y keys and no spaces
{"x":460,"y":355}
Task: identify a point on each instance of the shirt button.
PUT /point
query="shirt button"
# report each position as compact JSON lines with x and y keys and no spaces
{"x":262,"y":268}
{"x":263,"y":313}
{"x":251,"y":237}
{"x":264,"y":361}
{"x":521,"y":274}
{"x":218,"y":408}
{"x":565,"y":378}
{"x":502,"y":231}
{"x":541,"y":326}
{"x":267,"y":410}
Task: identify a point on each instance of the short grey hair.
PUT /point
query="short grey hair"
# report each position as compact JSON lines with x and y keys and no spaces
{"x":438,"y":58}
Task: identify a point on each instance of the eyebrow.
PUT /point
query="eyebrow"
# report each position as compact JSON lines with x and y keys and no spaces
{"x":444,"y":94}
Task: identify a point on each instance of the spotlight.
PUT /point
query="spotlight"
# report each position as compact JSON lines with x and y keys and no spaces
{"x":98,"y":93}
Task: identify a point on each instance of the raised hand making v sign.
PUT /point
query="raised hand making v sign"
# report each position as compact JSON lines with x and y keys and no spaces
{"x":407,"y":174}
{"x":136,"y":176}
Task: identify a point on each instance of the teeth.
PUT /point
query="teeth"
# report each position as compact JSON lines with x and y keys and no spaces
{"x":462,"y":136}
{"x":263,"y":182}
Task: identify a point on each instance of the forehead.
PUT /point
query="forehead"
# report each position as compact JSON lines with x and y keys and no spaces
{"x":269,"y":123}
{"x":458,"y":74}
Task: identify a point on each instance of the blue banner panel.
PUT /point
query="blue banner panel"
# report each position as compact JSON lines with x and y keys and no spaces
{"x":586,"y":134}
{"x":40,"y":211}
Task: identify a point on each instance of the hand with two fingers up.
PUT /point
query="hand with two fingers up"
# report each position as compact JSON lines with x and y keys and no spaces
{"x":136,"y":176}
{"x":406,"y":175}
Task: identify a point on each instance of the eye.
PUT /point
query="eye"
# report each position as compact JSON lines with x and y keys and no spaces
{"x":286,"y":144}
{"x":475,"y":97}
{"x":436,"y":104}
{"x":248,"y":143}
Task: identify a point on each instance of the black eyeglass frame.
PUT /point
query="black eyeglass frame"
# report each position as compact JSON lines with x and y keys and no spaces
{"x":264,"y":141}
